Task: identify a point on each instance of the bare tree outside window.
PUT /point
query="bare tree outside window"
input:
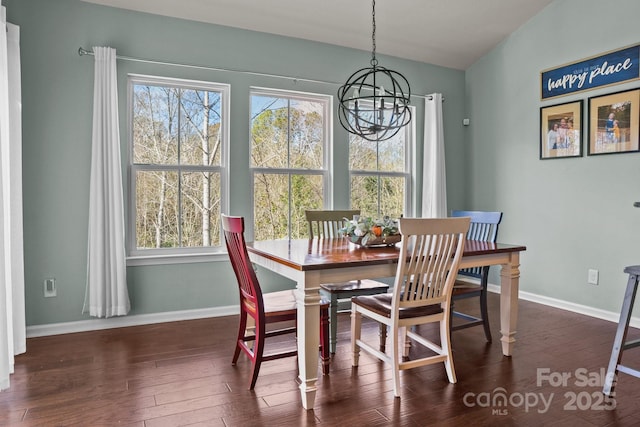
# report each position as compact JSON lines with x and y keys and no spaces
{"x":176,"y":164}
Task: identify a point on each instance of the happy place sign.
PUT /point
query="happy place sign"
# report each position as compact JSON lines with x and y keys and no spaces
{"x":603,"y":70}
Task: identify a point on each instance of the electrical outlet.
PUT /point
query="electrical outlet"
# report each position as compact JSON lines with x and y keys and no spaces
{"x":592,"y":278}
{"x":50,"y":288}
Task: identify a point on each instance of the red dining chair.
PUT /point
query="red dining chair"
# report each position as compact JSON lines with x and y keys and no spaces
{"x":264,"y":309}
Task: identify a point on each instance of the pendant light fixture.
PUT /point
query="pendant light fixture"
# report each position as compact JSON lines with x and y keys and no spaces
{"x":374,"y":102}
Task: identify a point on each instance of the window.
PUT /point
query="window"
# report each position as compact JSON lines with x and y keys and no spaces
{"x":380,"y":174}
{"x":289,"y":147}
{"x":177,"y":164}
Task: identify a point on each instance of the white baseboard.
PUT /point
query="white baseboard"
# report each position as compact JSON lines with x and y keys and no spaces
{"x":570,"y":306}
{"x":124,"y":321}
{"x":173,"y":316}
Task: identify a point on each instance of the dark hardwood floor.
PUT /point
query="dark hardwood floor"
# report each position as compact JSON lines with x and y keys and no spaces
{"x":180,"y":374}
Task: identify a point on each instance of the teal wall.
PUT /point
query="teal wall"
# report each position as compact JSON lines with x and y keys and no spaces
{"x":57,"y":97}
{"x":573,"y":214}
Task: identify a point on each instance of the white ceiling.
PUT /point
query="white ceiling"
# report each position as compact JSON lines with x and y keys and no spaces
{"x":451,"y":33}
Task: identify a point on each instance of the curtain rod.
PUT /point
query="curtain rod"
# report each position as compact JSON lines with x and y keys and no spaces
{"x":82,"y":52}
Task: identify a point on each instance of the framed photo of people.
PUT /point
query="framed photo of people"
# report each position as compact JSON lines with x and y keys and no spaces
{"x":614,"y":123}
{"x":561,"y":130}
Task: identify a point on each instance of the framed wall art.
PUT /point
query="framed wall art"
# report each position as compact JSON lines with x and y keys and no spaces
{"x":614,"y":123}
{"x":561,"y":130}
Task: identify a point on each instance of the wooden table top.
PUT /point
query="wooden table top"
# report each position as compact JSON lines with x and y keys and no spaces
{"x":315,"y":254}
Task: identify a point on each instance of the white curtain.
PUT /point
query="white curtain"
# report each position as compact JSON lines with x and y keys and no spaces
{"x":12,"y":314}
{"x":106,"y":294}
{"x":434,"y":181}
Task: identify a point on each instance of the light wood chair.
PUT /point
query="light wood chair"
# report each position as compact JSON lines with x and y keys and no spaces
{"x":484,"y":227}
{"x":272,"y":307}
{"x":432,"y":248}
{"x":327,"y":224}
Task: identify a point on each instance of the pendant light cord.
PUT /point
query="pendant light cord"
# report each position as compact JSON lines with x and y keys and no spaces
{"x":374,"y":61}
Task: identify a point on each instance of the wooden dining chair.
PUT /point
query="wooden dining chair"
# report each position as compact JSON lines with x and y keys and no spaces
{"x":432,"y":248}
{"x":483,"y":227}
{"x":264,"y":309}
{"x":327,"y":224}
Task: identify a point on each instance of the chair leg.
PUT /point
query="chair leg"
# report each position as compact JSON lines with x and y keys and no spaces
{"x":484,"y":312}
{"x":445,"y":343}
{"x":383,"y":337}
{"x":241,"y":335}
{"x":356,"y":325}
{"x":397,"y":336}
{"x":451,"y":304}
{"x":333,"y":322}
{"x":620,"y":342}
{"x":258,"y":350}
{"x":406,"y":344}
{"x":324,"y":340}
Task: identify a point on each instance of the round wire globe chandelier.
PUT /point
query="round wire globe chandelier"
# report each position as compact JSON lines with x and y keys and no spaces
{"x":374,"y":102}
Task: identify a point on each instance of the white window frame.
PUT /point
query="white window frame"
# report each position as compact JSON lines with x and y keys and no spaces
{"x":154,"y":256}
{"x":327,"y":171}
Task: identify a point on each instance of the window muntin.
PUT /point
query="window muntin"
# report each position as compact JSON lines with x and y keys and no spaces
{"x":177,"y":169}
{"x":289,"y":149}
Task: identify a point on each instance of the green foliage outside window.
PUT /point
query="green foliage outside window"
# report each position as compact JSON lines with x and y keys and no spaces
{"x":379,"y":175}
{"x":287,"y":157}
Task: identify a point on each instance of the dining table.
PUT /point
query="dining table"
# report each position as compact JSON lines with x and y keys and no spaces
{"x":310,"y":262}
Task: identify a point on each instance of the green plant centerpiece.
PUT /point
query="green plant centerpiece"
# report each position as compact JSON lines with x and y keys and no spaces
{"x":366,"y":231}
